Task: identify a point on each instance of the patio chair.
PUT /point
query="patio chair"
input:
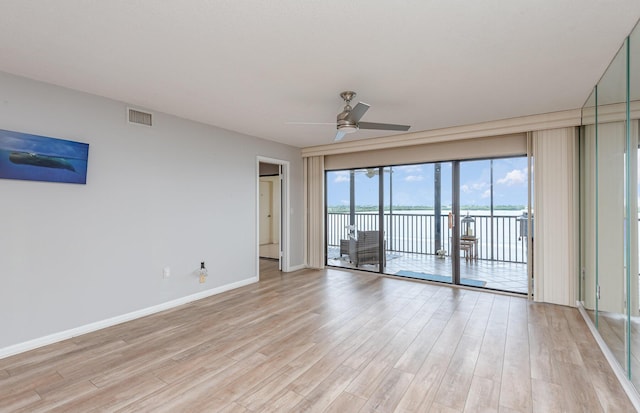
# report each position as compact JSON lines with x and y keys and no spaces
{"x":364,"y":249}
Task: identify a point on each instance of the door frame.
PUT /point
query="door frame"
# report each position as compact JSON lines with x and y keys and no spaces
{"x":284,"y":241}
{"x":455,"y":230}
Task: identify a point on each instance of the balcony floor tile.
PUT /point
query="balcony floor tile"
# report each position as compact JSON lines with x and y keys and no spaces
{"x":498,"y":275}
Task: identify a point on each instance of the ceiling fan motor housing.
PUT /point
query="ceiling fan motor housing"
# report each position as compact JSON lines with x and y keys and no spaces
{"x":344,"y":122}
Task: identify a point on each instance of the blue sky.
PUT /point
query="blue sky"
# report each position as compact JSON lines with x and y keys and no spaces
{"x":413,"y":185}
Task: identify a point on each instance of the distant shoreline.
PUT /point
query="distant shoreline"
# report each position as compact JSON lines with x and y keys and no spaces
{"x":374,"y":208}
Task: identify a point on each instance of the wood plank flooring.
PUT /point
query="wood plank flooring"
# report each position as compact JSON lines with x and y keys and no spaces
{"x":612,"y":328}
{"x":326,"y":341}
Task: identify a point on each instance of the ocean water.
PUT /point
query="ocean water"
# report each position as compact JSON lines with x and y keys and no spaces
{"x":499,"y":238}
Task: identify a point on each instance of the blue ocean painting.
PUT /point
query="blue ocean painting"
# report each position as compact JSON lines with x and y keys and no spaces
{"x":39,"y":158}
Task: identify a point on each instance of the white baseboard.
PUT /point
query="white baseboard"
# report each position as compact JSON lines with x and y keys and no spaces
{"x":296,"y":268}
{"x":621,"y":375}
{"x":88,"y":328}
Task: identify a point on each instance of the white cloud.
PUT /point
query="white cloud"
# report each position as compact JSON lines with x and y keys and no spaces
{"x":486,"y":194}
{"x":341,"y":176}
{"x":514,"y":177}
{"x":408,"y":168}
{"x":466,"y":188}
{"x":414,"y":178}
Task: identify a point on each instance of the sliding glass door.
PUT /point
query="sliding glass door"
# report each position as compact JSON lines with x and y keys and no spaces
{"x":457,"y":222}
{"x":417,"y":221}
{"x":493,"y":233}
{"x":353,"y":219}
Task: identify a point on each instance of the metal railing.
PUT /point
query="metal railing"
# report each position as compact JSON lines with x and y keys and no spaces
{"x":498,"y":236}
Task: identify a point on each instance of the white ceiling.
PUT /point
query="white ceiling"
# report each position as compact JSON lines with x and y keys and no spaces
{"x":252,"y":66}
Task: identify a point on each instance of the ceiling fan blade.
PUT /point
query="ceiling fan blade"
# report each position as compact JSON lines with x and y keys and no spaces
{"x":382,"y":126}
{"x":339,"y":136}
{"x":358,"y":112}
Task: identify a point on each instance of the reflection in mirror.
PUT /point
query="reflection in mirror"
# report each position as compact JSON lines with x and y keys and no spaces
{"x":634,"y":218}
{"x":588,"y":280}
{"x":609,"y":283}
{"x":588,"y":112}
{"x":610,"y":207}
{"x":634,"y":71}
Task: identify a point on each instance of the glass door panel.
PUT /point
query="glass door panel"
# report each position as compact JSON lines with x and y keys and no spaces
{"x":340,"y":216}
{"x":364,"y":249}
{"x":418,"y":201}
{"x":352,"y":219}
{"x":491,"y":198}
{"x":493,"y":225}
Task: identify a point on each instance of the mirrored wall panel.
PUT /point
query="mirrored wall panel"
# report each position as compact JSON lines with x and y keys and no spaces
{"x":609,"y":216}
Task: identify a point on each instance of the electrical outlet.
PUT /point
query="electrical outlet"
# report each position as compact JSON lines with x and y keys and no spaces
{"x":203,"y":273}
{"x":166,"y":272}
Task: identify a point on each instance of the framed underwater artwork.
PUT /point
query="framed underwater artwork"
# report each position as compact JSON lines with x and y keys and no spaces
{"x":40,"y":158}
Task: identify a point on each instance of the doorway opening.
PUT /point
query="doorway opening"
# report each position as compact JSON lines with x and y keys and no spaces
{"x":272,"y":201}
{"x":270,"y":211}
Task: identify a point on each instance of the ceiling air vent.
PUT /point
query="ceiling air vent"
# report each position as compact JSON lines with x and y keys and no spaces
{"x":140,"y":118}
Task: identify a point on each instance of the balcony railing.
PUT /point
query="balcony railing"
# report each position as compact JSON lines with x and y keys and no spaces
{"x":499,"y":237}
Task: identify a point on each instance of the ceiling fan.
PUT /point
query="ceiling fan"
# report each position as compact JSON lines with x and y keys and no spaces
{"x":348,"y":120}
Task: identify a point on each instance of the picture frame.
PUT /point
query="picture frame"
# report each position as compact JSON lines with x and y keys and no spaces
{"x":39,"y":158}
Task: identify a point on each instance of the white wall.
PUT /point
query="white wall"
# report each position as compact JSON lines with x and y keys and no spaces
{"x":171,"y":195}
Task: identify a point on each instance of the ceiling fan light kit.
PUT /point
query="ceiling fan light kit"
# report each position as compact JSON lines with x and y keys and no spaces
{"x":348,"y":128}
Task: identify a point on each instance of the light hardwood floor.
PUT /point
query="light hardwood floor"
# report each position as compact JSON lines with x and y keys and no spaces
{"x":613,"y":329}
{"x":326,"y":341}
